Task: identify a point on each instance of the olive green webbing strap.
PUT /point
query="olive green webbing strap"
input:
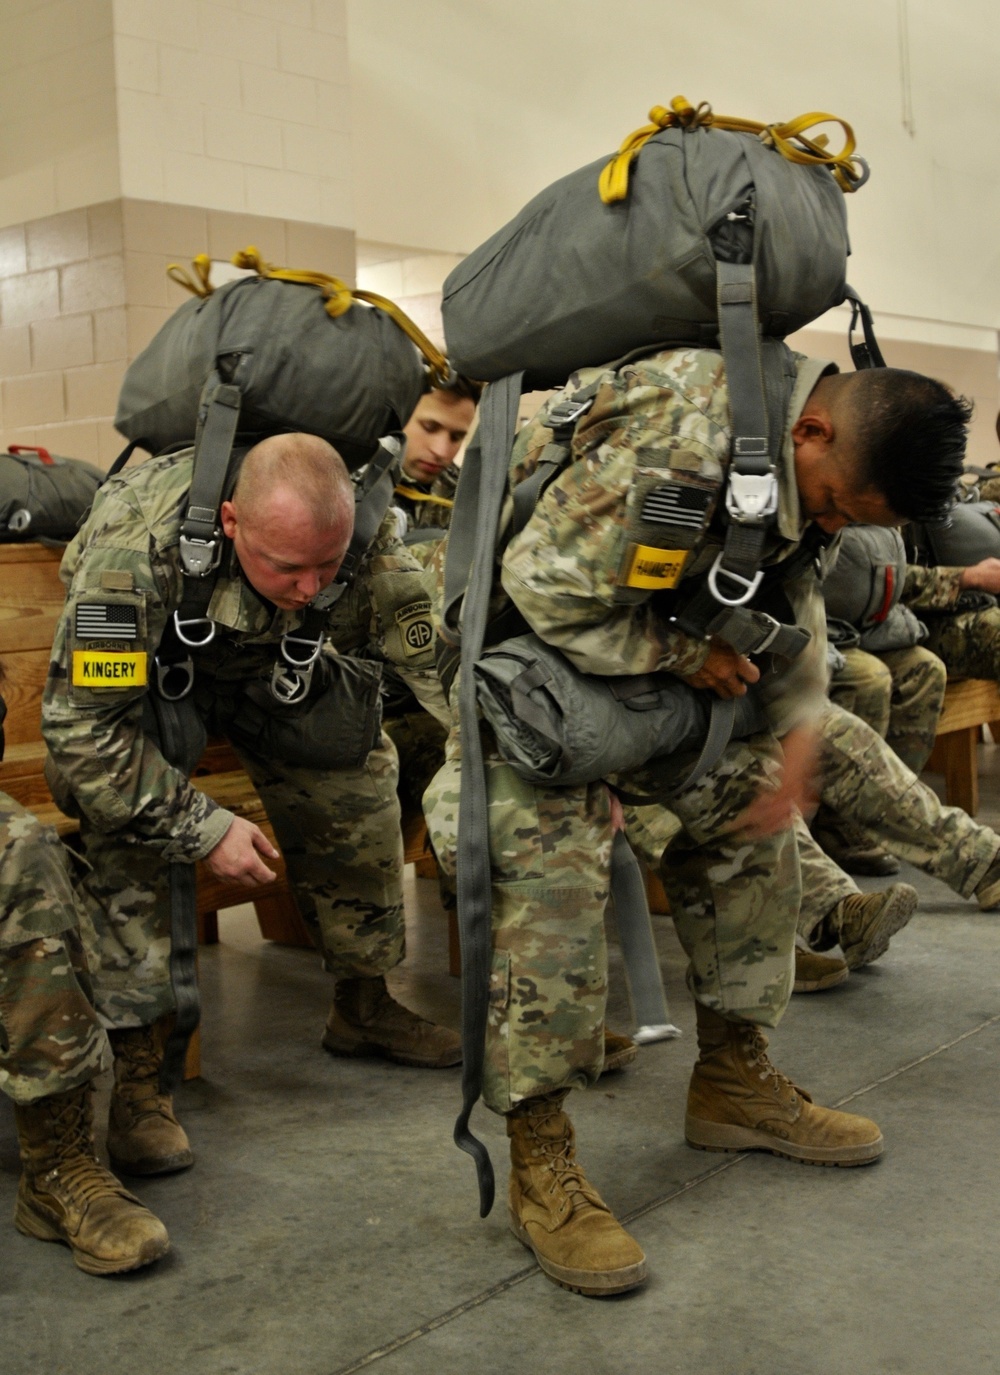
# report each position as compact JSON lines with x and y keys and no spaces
{"x":486,"y":484}
{"x":181,"y":738}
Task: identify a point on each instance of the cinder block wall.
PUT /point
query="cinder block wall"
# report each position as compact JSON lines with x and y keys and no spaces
{"x":83,"y":292}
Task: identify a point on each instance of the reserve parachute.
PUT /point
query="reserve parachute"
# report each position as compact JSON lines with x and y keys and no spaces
{"x":45,"y":497}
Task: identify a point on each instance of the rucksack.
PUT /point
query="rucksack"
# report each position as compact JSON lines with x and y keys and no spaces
{"x":700,"y":231}
{"x":43,"y":496}
{"x":300,"y":350}
{"x":864,"y":586}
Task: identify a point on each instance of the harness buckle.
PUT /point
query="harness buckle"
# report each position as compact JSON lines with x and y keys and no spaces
{"x":565,"y":414}
{"x":200,"y":556}
{"x":774,"y":629}
{"x":752,"y":497}
{"x":749,"y":585}
{"x":289,"y":685}
{"x":193,"y":642}
{"x":292,"y":658}
{"x":164,"y":672}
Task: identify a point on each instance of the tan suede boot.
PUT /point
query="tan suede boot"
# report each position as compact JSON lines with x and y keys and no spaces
{"x":988,"y":888}
{"x":619,"y":1051}
{"x":866,"y":922}
{"x":144,"y":1136}
{"x":738,"y":1101}
{"x":366,"y":1020}
{"x":814,"y":972}
{"x":66,"y":1195}
{"x":557,"y":1214}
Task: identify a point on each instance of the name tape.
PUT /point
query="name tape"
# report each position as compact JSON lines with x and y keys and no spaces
{"x":655,"y":568}
{"x":95,"y":670}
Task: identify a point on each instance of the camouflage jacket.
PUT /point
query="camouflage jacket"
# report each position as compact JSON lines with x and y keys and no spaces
{"x":932,"y":589}
{"x":428,"y":507}
{"x":124,"y":581}
{"x":667,"y":414}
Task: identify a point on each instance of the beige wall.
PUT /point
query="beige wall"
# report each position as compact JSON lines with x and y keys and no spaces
{"x":461,"y":112}
{"x":83,"y":292}
{"x":58,"y":124}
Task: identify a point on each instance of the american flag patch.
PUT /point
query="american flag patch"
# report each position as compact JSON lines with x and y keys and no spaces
{"x":106,"y":621}
{"x":673,"y":503}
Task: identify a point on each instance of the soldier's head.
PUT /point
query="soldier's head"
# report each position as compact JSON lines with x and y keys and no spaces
{"x":437,"y":429}
{"x":290,"y":518}
{"x":879,"y":447}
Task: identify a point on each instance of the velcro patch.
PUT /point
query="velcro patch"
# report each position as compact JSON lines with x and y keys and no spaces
{"x":106,"y":621}
{"x":415,"y":627}
{"x":92,"y":669}
{"x":676,"y":503}
{"x":654,"y":568}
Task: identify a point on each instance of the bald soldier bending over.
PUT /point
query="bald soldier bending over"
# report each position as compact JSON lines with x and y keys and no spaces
{"x":324,"y":770}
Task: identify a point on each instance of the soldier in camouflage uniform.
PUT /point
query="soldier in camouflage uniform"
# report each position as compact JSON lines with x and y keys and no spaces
{"x":435,"y":433}
{"x":287,"y":528}
{"x":733,"y":873}
{"x":966,"y":637}
{"x":52,"y":1048}
{"x":860,"y":774}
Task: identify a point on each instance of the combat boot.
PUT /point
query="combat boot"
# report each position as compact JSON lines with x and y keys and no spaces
{"x":852,"y":846}
{"x":814,"y":972}
{"x":738,"y":1101}
{"x":144,"y":1136}
{"x":619,"y":1051}
{"x":864,"y":923}
{"x":988,"y":887}
{"x":66,"y":1195}
{"x":366,"y":1020}
{"x":557,"y":1213}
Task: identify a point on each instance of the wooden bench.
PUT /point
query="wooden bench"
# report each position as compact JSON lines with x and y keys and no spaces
{"x":31,"y":598}
{"x":969,"y":704}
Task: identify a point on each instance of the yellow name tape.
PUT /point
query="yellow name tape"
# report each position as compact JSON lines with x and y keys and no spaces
{"x":655,"y":568}
{"x":93,"y":669}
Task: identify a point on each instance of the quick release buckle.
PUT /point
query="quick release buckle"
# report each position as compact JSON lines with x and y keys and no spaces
{"x":752,"y":497}
{"x":288,"y":685}
{"x":181,"y":629}
{"x":200,"y":556}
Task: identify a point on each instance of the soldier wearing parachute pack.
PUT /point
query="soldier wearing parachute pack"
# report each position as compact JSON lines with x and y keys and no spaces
{"x":675,"y":505}
{"x":250,"y":590}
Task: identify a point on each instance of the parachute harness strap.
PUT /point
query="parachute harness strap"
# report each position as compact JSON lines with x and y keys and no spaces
{"x":789,"y":139}
{"x":339,"y":298}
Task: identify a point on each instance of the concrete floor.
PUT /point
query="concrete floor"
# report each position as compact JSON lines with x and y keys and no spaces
{"x":330,"y":1226}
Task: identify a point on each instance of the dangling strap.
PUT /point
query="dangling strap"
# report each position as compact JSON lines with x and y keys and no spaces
{"x":635,"y":931}
{"x":490,"y":456}
{"x":867,"y":354}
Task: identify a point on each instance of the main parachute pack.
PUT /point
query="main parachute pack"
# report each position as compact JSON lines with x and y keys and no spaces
{"x":702,"y":230}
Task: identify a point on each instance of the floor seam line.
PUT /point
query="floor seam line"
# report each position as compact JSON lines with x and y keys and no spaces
{"x":519,"y":1276}
{"x":920,"y":1060}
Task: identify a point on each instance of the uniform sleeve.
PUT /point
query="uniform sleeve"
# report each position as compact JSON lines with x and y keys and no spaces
{"x":401,"y":629}
{"x":102,"y":763}
{"x":931,"y":589}
{"x":563,"y":569}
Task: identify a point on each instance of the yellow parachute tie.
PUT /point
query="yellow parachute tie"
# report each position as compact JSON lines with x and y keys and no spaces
{"x":849,"y":170}
{"x":339,"y":298}
{"x":414,"y":495}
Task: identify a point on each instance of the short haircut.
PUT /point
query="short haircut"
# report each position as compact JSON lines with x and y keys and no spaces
{"x":306,"y":464}
{"x":459,"y":388}
{"x":909,"y":437}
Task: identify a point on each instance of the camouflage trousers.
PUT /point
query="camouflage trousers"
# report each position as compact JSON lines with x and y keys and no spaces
{"x":736,"y":904}
{"x":967,"y":641}
{"x":50,"y":1037}
{"x":862,"y":778}
{"x":899,"y":693}
{"x":339,"y":833}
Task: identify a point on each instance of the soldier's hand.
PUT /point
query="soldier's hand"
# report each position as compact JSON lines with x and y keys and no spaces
{"x":237,"y":855}
{"x":724,"y":672}
{"x":982,"y":577}
{"x":774,"y":811}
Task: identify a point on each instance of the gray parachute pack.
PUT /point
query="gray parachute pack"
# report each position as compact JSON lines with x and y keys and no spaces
{"x":43,"y":496}
{"x":704,"y":230}
{"x":862,"y":591}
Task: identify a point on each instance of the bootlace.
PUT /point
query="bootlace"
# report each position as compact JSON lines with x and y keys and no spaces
{"x":557,"y":1151}
{"x":86,"y":1179}
{"x":758,"y":1059}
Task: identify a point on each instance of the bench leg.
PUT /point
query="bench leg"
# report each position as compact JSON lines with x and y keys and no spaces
{"x":454,"y":947}
{"x":192,"y":1061}
{"x":655,"y":894}
{"x":956,"y":757}
{"x":208,"y":928}
{"x":279,"y":920}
